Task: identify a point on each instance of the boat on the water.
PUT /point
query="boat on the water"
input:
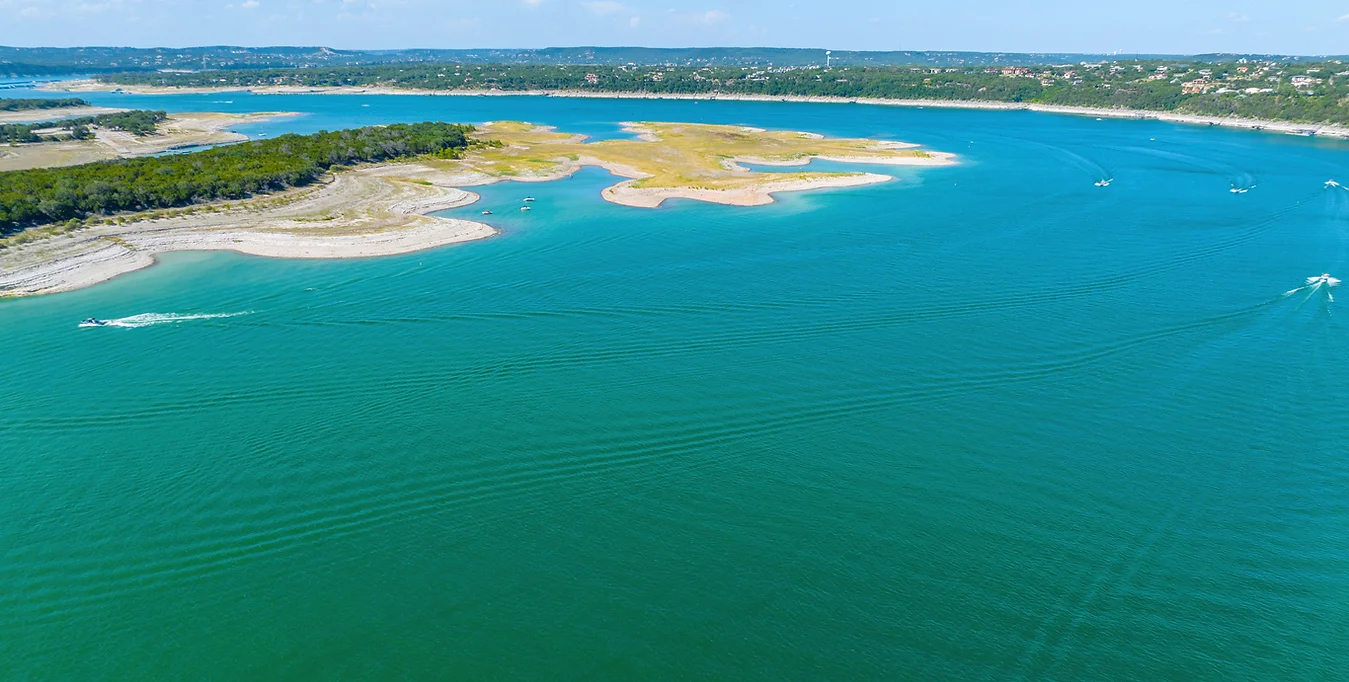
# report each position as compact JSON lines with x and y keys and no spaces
{"x":1325,"y":279}
{"x":93,"y":322}
{"x":529,"y":198}
{"x":487,"y":213}
{"x":1332,"y":183}
{"x":524,"y":208}
{"x":1104,"y":183}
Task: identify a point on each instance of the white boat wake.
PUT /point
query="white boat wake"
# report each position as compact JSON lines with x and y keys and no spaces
{"x":149,"y":319}
{"x":1315,"y":284}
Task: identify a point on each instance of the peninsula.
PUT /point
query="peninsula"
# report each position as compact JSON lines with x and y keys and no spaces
{"x":369,"y":192}
{"x":96,"y":135}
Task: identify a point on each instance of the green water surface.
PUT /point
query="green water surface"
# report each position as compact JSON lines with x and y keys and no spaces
{"x":985,"y":422}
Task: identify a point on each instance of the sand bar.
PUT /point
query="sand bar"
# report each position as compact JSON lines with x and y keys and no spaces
{"x":40,"y":115}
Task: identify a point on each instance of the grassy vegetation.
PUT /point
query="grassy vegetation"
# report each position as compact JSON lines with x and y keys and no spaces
{"x":674,"y":155}
{"x":57,"y":195}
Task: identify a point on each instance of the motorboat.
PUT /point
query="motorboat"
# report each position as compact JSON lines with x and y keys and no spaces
{"x":529,"y":198}
{"x":487,"y":213}
{"x":1332,"y":183}
{"x":1104,"y":183}
{"x":1239,"y":190}
{"x":93,"y":322}
{"x":524,"y":208}
{"x":1325,"y":279}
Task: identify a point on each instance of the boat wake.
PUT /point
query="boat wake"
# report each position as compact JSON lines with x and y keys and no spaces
{"x":1315,"y":284}
{"x":150,"y":319}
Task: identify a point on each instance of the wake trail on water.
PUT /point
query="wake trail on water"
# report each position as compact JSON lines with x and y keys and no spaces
{"x":151,"y":319}
{"x":1239,"y":181}
{"x":1100,"y":175}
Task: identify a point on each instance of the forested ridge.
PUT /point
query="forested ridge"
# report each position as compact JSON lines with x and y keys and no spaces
{"x":21,"y":104}
{"x":48,"y":195}
{"x":1311,"y":92}
{"x":137,"y":122}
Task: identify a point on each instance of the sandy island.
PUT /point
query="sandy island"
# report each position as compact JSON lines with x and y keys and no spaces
{"x":41,"y":115}
{"x":1288,"y":127}
{"x":690,"y":161}
{"x":383,"y":209}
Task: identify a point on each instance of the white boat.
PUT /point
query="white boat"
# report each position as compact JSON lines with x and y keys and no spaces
{"x":93,"y":322}
{"x":524,"y":208}
{"x":1104,"y":183}
{"x":487,"y":213}
{"x":1332,"y":183}
{"x":1239,"y":190}
{"x":529,"y":198}
{"x":1325,"y":279}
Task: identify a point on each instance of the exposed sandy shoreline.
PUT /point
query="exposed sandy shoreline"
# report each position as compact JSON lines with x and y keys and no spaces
{"x":1337,"y":131}
{"x":383,"y":210}
{"x":40,"y":115}
{"x":377,"y":211}
{"x":624,"y":193}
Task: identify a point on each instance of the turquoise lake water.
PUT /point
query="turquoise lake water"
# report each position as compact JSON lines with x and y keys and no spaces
{"x":988,"y":421}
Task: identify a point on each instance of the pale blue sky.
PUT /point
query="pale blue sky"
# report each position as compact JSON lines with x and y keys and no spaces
{"x":1174,"y":26}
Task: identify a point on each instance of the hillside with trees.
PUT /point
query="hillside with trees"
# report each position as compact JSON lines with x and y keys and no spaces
{"x":138,"y":122}
{"x":21,"y":104}
{"x":49,"y":195}
{"x":1311,"y":92}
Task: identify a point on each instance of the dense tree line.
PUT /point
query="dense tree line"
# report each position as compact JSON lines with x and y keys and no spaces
{"x":138,"y":122}
{"x":19,"y":104}
{"x":1256,"y":90}
{"x":47,"y":195}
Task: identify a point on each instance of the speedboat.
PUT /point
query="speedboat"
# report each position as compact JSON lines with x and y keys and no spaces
{"x":1104,"y":183}
{"x":1325,"y":279}
{"x":524,"y":208}
{"x":1239,"y":190}
{"x":487,"y":213}
{"x":1332,"y":183}
{"x":529,"y":198}
{"x":93,"y":322}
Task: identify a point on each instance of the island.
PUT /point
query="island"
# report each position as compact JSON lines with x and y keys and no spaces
{"x":370,"y":191}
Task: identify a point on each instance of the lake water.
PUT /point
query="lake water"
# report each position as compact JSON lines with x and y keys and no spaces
{"x":988,"y":421}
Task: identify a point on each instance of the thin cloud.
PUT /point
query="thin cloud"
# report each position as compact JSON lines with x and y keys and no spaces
{"x":713,"y":16}
{"x":603,"y":7}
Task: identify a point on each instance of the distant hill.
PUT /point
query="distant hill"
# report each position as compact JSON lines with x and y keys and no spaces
{"x":47,"y":61}
{"x":41,"y":61}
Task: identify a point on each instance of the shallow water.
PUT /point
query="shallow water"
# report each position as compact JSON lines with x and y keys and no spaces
{"x":988,"y":421}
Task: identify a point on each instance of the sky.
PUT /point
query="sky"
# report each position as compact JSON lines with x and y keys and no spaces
{"x":1305,"y":27}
